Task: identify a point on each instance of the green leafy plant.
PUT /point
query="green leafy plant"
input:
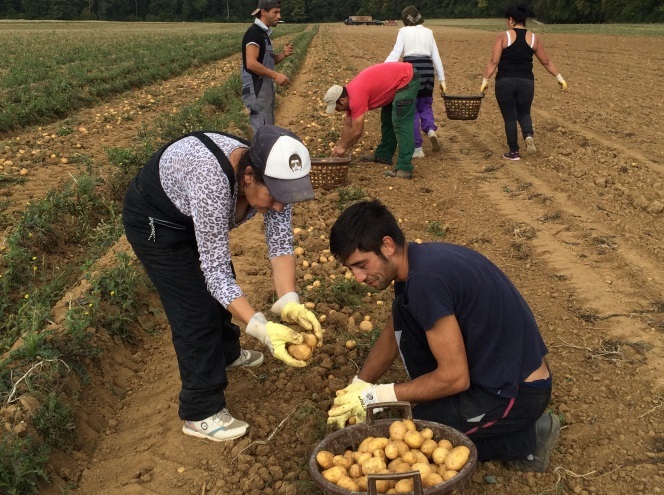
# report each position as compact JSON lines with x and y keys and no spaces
{"x":55,"y":421}
{"x":22,"y":465}
{"x":436,"y":229}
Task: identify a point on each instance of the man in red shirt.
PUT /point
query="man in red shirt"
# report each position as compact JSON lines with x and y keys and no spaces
{"x":392,"y":87}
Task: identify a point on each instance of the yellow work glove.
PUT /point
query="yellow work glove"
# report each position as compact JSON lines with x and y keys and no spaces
{"x":297,"y":313}
{"x":484,"y":86}
{"x":354,"y":399}
{"x":275,"y":336}
{"x":290,"y":310}
{"x":561,"y":81}
{"x":443,"y":87}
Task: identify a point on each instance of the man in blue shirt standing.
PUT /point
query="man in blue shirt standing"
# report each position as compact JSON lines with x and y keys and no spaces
{"x":258,"y":62}
{"x":467,"y":338}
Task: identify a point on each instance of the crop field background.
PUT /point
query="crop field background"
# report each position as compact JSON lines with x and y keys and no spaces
{"x":87,"y":369}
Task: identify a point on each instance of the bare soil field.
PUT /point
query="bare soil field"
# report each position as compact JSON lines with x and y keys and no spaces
{"x":578,"y":227}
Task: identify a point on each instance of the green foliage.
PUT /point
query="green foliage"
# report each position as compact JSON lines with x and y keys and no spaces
{"x":22,"y":465}
{"x":346,"y":292}
{"x":55,"y":421}
{"x":348,"y":195}
{"x":115,"y":293}
{"x":436,"y":229}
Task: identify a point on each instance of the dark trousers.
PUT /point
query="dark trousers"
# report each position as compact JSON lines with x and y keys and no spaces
{"x":502,"y":428}
{"x":515,"y":97}
{"x":204,"y":337}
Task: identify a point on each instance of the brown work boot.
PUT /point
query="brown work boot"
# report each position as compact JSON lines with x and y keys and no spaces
{"x":401,"y":174}
{"x":547,"y":430}
{"x":375,"y":159}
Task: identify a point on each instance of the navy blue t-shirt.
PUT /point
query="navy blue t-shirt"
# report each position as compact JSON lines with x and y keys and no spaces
{"x":502,"y":340}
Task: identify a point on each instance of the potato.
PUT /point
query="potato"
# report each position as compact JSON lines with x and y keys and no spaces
{"x":404,"y":486}
{"x":397,"y":430}
{"x":394,"y":463}
{"x":391,"y":491}
{"x":334,"y":474}
{"x":432,"y":480}
{"x":362,"y":482}
{"x":373,"y":465}
{"x":427,"y":433}
{"x":423,"y":468}
{"x":448,"y":475}
{"x":380,"y":453}
{"x":414,"y":439}
{"x":364,"y":456}
{"x":342,"y":460}
{"x":403,"y":447}
{"x":378,"y":443}
{"x":457,"y":458}
{"x":324,"y":459}
{"x":382,"y":485}
{"x":352,"y":420}
{"x":348,"y":484}
{"x":363,"y":444}
{"x":351,"y":344}
{"x":355,"y":471}
{"x":310,"y":340}
{"x":299,"y":351}
{"x":428,"y":446}
{"x":404,"y":467}
{"x":438,"y":456}
{"x":298,"y":251}
{"x":420,"y":457}
{"x":366,"y":326}
{"x":409,"y":424}
{"x":392,"y":450}
{"x":446,"y":444}
{"x":409,"y":457}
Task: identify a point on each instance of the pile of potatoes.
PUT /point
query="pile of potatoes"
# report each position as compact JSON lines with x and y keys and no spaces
{"x":406,"y":449}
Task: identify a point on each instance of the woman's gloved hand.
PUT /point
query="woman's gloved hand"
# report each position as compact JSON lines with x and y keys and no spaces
{"x":275,"y":336}
{"x":561,"y":81}
{"x":443,"y":87}
{"x":484,"y":86}
{"x":290,"y":310}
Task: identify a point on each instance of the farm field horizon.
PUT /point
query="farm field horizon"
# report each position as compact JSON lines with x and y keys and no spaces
{"x":577,"y":227}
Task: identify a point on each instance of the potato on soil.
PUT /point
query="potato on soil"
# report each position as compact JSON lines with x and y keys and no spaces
{"x":300,"y":351}
{"x":366,"y":326}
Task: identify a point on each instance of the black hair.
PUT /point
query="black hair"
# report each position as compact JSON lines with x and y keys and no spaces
{"x":362,"y":226}
{"x":519,"y":13}
{"x":245,"y":162}
{"x":344,"y":93}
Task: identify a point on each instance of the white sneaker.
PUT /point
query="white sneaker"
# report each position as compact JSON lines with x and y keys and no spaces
{"x":247,"y":358}
{"x":435,"y":144}
{"x":530,"y":145}
{"x":218,"y":427}
{"x":418,"y":153}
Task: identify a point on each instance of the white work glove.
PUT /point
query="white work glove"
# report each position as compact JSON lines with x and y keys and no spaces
{"x":561,"y":81}
{"x":484,"y":86}
{"x":275,"y":336}
{"x":354,"y":399}
{"x":443,"y":87}
{"x":290,"y":310}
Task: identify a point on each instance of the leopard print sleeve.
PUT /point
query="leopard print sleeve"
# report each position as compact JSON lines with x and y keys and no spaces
{"x":279,"y":232}
{"x":194,"y":181}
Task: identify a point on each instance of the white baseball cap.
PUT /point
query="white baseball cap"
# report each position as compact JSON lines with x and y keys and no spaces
{"x":284,"y":161}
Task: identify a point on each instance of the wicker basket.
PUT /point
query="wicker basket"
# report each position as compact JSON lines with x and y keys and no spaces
{"x":462,"y":107}
{"x":351,"y":436}
{"x":328,"y":173}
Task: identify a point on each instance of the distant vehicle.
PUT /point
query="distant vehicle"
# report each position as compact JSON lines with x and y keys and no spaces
{"x":356,"y":20}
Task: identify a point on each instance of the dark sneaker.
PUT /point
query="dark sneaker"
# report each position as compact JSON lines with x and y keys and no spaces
{"x":530,"y":145}
{"x":218,"y":427}
{"x":247,"y":359}
{"x":401,"y":174}
{"x":512,"y":155}
{"x":375,"y":159}
{"x":547,"y":430}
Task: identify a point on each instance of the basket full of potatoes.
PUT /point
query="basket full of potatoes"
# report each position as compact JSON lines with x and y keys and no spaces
{"x":393,"y":456}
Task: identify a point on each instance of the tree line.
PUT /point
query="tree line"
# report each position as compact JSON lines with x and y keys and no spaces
{"x":310,"y":11}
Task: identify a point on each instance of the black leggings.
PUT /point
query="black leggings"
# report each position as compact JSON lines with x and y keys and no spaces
{"x":502,"y":428}
{"x":515,"y":97}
